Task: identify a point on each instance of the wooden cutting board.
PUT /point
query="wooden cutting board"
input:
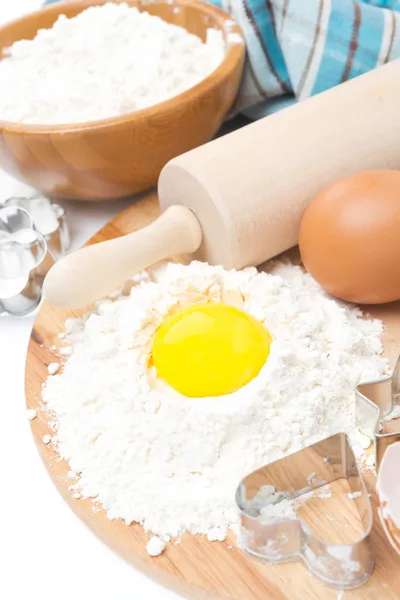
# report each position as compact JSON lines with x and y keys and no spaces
{"x":196,"y":568}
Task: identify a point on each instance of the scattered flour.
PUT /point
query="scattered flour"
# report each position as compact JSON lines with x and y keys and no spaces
{"x":354,"y":495}
{"x":216,"y":534}
{"x":53,"y":368}
{"x":269,"y":504}
{"x":337,"y":560}
{"x":324,"y":492}
{"x":46,"y":439}
{"x":108,"y":61}
{"x":155,"y":546}
{"x":152,"y":456}
{"x":311,"y":478}
{"x":284,"y":510}
{"x":31,"y":413}
{"x":394,"y":414}
{"x":370,"y":462}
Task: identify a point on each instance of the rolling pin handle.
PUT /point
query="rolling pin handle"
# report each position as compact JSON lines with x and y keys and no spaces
{"x":95,"y":271}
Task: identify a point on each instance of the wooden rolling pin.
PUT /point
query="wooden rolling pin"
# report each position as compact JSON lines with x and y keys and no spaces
{"x":238,"y":200}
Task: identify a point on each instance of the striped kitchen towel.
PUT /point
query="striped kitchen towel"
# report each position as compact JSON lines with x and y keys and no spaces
{"x":298,"y":48}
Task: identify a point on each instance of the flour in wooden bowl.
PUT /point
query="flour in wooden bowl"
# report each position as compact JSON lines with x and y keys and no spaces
{"x":107,"y":61}
{"x":171,"y":463}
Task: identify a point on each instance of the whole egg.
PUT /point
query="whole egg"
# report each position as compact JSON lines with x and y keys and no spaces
{"x":350,"y":237}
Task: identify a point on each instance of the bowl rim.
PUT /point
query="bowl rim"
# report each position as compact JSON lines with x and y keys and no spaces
{"x":235,"y":54}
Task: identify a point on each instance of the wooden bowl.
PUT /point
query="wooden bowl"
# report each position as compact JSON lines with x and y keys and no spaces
{"x":122,"y":155}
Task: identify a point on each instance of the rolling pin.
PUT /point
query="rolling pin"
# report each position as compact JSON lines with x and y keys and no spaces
{"x":238,"y":200}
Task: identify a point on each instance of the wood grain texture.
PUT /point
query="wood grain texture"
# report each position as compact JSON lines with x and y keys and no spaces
{"x":76,"y":281}
{"x":196,"y":568}
{"x":124,"y":155}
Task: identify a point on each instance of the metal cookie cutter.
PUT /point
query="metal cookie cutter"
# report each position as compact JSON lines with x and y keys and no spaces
{"x":375,"y":400}
{"x":24,"y":262}
{"x":272,"y":532}
{"x":49,"y":220}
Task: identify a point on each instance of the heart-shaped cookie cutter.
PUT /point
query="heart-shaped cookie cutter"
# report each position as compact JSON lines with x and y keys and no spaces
{"x":24,"y":262}
{"x":287,"y":538}
{"x":375,"y":401}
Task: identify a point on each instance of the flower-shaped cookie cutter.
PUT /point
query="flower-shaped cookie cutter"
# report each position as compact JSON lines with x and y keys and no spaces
{"x":375,"y":401}
{"x":281,"y":537}
{"x":24,"y":262}
{"x":48,"y":218}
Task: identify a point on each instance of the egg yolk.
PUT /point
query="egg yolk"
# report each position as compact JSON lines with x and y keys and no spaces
{"x":210,"y":350}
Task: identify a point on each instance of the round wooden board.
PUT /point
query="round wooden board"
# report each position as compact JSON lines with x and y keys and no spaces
{"x":196,"y":568}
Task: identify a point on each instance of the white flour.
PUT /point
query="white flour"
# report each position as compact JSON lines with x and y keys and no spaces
{"x":155,"y":546}
{"x":171,"y":463}
{"x":107,"y":61}
{"x":268,"y":503}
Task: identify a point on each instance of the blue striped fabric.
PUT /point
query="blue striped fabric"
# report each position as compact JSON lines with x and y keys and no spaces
{"x":322,"y":43}
{"x":298,"y":48}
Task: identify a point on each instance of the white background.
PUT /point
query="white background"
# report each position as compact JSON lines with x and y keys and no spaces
{"x":47,"y":551}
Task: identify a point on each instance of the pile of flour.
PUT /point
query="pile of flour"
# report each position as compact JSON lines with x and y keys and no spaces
{"x":107,"y":61}
{"x":151,"y":456}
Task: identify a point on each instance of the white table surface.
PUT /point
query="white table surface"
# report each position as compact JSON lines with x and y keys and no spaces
{"x":47,"y":551}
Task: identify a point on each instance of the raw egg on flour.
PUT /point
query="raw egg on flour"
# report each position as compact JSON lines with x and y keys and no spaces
{"x":210,"y":349}
{"x":350,"y":237}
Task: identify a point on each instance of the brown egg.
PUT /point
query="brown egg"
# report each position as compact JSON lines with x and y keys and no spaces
{"x":350,"y":237}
